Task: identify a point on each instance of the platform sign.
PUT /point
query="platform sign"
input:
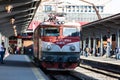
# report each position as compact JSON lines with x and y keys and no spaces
{"x":19,"y":42}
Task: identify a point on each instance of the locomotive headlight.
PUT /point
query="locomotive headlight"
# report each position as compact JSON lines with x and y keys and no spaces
{"x":72,"y":47}
{"x":49,"y":47}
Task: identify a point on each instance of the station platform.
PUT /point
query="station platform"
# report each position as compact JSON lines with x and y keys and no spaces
{"x":102,"y":59}
{"x":110,"y":64}
{"x":20,"y":67}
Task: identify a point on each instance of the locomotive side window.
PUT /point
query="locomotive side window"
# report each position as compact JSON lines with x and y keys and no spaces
{"x":51,"y":31}
{"x":41,"y":31}
{"x":73,"y":32}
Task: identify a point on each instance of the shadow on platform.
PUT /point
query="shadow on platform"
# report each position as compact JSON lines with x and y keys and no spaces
{"x":17,"y":61}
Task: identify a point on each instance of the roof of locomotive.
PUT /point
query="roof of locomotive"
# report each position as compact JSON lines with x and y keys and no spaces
{"x":49,"y":24}
{"x":72,"y":24}
{"x":60,"y":24}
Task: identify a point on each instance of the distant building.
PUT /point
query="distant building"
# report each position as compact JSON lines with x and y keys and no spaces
{"x":73,"y":9}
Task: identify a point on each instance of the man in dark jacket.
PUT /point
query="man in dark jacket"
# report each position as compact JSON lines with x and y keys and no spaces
{"x":2,"y":52}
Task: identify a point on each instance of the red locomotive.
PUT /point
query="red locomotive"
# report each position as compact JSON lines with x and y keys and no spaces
{"x":57,"y":46}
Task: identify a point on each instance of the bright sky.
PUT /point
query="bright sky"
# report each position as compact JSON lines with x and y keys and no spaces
{"x":113,"y":7}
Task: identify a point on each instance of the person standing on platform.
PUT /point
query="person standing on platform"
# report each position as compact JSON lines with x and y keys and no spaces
{"x":86,"y":51}
{"x":118,"y":53}
{"x":2,"y":52}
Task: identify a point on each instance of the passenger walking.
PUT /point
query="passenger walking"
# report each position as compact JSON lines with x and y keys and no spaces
{"x":2,"y":52}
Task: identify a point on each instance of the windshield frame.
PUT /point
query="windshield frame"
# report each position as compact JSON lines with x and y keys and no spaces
{"x":49,"y":31}
{"x":73,"y":33}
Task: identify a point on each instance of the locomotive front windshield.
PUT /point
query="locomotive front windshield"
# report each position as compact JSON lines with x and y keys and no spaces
{"x":50,"y":31}
{"x":71,"y":32}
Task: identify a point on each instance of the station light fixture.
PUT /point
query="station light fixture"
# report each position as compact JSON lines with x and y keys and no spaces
{"x":15,"y":32}
{"x":14,"y":27}
{"x":12,"y":20}
{"x":8,"y":8}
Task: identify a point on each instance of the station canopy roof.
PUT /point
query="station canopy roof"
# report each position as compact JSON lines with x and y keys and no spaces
{"x":106,"y":25}
{"x":16,"y":15}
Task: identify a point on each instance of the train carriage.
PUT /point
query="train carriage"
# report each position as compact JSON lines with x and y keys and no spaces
{"x":57,"y":46}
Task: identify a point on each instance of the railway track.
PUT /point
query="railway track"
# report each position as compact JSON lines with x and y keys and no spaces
{"x":96,"y":73}
{"x":109,"y":73}
{"x":84,"y":72}
{"x":62,"y":75}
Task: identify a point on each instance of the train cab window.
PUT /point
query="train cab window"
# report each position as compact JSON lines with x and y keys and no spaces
{"x":41,"y":31}
{"x":51,"y":31}
{"x":73,"y":32}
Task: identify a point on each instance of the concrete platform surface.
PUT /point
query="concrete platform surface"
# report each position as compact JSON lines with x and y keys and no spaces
{"x":19,"y":67}
{"x":102,"y":59}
